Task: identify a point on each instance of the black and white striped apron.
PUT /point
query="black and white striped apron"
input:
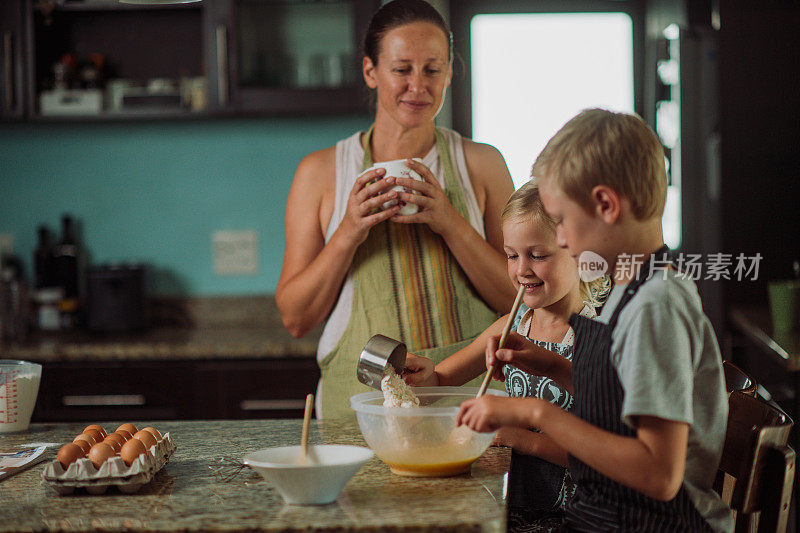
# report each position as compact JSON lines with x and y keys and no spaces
{"x":599,"y":503}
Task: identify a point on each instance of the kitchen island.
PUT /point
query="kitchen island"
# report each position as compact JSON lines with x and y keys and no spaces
{"x":186,"y":495}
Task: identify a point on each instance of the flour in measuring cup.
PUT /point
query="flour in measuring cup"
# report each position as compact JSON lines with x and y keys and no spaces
{"x":17,"y":399}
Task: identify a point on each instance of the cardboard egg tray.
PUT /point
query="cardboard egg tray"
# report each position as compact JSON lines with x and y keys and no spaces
{"x":128,"y":479}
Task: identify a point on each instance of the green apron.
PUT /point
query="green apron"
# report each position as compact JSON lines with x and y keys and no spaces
{"x":409,"y":287}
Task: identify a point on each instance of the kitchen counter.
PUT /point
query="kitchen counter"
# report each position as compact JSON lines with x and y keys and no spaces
{"x":182,"y":328}
{"x":186,"y":496}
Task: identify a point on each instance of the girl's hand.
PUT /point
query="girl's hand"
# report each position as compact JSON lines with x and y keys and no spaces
{"x":419,"y":372}
{"x":435,"y":209}
{"x":520,"y":352}
{"x":364,"y":204}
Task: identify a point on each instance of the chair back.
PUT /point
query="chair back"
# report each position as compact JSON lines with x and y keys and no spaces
{"x":761,"y":464}
{"x":738,"y":379}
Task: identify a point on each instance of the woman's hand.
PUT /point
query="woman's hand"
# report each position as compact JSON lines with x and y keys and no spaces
{"x":364,"y":205}
{"x":435,"y":209}
{"x":419,"y":372}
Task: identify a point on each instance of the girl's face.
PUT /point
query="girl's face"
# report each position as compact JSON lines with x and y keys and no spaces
{"x":547,"y":271}
{"x":412,"y":73}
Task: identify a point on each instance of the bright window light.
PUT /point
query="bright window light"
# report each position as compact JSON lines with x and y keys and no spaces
{"x":533,"y":72}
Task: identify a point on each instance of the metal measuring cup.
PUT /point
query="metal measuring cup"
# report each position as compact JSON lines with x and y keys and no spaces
{"x":380,"y":352}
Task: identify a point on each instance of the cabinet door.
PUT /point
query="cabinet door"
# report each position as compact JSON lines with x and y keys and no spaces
{"x":12,"y":59}
{"x":115,"y":390}
{"x":262,"y":388}
{"x":281,"y":57}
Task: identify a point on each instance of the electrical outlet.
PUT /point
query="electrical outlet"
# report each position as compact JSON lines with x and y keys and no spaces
{"x":6,"y":244}
{"x":235,"y":252}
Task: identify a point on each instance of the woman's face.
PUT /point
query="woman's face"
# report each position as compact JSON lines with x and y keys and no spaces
{"x":548,"y":272}
{"x":412,"y":74}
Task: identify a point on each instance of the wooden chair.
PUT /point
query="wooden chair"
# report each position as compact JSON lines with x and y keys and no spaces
{"x":758,"y":464}
{"x":738,"y":379}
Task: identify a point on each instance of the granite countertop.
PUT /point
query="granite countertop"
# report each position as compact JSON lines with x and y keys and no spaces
{"x":198,"y":328}
{"x":186,"y":496}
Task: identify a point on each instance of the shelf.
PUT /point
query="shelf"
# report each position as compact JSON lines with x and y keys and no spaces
{"x":113,"y":5}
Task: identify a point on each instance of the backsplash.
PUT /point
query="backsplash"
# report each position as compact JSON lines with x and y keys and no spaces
{"x":154,"y":192}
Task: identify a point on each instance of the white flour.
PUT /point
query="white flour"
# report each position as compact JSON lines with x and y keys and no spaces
{"x":17,"y":399}
{"x":396,"y":392}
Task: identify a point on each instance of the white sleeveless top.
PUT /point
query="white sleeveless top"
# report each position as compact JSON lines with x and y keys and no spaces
{"x":349,"y":160}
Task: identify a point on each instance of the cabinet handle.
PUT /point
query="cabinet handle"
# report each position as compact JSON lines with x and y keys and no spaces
{"x":222,"y":65}
{"x":104,"y":399}
{"x":8,"y":53}
{"x":272,"y":405}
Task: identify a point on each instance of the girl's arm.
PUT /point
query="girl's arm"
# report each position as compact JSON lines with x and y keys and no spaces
{"x":457,"y":369}
{"x":313,"y":271}
{"x":531,"y":443}
{"x":531,"y":358}
{"x":652,"y":462}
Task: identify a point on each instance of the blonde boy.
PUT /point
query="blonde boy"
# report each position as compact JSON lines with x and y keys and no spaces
{"x":648,"y":426}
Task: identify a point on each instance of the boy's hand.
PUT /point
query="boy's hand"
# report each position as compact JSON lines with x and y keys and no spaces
{"x":419,"y":372}
{"x":523,"y":354}
{"x":488,"y":413}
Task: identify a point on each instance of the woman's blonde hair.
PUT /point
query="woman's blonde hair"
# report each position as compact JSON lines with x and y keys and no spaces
{"x":526,"y":204}
{"x":600,"y":147}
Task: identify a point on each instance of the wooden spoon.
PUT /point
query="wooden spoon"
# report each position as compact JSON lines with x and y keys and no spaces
{"x":303,"y":459}
{"x":502,"y":342}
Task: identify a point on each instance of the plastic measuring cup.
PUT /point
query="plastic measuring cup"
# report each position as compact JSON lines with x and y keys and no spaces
{"x":19,"y":387}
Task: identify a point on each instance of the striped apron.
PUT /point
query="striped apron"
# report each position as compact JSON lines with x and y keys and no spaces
{"x":409,"y":287}
{"x":599,"y":503}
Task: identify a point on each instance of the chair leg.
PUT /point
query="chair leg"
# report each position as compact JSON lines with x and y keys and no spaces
{"x":777,"y":478}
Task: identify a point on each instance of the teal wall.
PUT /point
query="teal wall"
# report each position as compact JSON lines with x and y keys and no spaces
{"x":153,"y":192}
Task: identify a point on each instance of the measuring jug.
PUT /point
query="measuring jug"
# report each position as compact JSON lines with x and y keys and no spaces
{"x":19,"y":386}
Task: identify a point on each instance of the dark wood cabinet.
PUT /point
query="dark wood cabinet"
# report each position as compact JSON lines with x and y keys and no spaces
{"x":170,"y":390}
{"x":100,"y":59}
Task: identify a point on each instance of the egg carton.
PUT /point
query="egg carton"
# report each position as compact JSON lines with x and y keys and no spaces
{"x":128,"y":479}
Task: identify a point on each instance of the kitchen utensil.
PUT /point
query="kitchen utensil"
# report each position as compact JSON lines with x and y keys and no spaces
{"x":19,"y":387}
{"x":304,"y":435}
{"x":399,"y":169}
{"x":319,"y":481}
{"x":422,"y":441}
{"x":377,"y":355}
{"x":503,"y":335}
{"x":116,"y":299}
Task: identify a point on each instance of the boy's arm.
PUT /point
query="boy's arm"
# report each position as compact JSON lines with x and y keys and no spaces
{"x":652,"y":462}
{"x":533,"y":359}
{"x":531,"y":443}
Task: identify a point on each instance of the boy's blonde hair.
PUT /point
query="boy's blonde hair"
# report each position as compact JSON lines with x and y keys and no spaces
{"x":600,"y":147}
{"x":526,"y":204}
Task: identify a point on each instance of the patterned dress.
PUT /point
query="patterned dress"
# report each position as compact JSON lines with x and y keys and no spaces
{"x":538,"y":490}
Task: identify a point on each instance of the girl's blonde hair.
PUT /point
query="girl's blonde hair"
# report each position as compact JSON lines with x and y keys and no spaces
{"x":526,"y":204}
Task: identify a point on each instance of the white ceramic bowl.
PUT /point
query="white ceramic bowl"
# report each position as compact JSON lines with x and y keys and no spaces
{"x":422,"y":441}
{"x":329,"y":468}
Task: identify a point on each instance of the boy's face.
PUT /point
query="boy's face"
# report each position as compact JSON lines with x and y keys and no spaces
{"x":576,"y":229}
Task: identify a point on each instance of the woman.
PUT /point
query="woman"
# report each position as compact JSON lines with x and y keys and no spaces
{"x":433,"y":280}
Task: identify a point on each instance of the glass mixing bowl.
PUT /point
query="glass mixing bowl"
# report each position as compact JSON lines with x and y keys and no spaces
{"x":422,"y":441}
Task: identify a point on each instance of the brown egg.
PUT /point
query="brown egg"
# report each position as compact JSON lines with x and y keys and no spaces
{"x":114,"y":443}
{"x":146,"y":437}
{"x":98,"y":436}
{"x":100,"y":453}
{"x":98,"y":428}
{"x":127,"y":435}
{"x":85,"y":446}
{"x":154,"y":432}
{"x":69,"y":453}
{"x":116,"y":437}
{"x":131,"y":450}
{"x":130,"y":428}
{"x":88,"y":437}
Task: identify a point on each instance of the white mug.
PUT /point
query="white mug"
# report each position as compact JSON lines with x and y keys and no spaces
{"x":399,"y":169}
